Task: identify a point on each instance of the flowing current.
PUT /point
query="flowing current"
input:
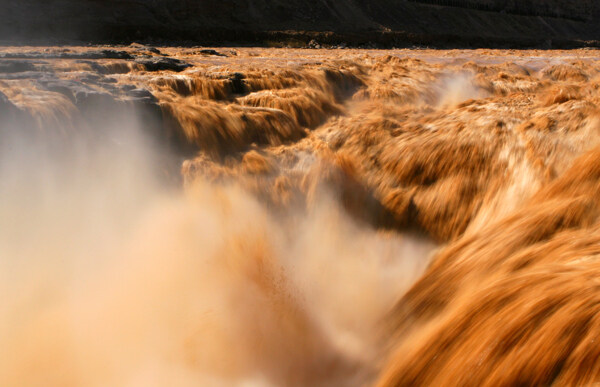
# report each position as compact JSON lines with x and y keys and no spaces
{"x":280,"y":217}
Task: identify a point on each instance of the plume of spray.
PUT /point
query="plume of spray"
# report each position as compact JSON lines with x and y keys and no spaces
{"x":109,"y":277}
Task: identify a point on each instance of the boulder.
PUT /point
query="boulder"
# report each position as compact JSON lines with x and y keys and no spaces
{"x":163,"y":63}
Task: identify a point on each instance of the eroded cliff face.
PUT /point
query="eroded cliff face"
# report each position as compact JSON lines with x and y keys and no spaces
{"x":185,"y":216}
{"x":576,"y":10}
{"x":387,"y":22}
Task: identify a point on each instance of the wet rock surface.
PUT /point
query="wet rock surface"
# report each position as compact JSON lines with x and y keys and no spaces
{"x":160,"y":64}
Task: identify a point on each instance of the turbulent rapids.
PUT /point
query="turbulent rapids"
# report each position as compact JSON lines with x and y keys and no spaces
{"x":188,"y":216}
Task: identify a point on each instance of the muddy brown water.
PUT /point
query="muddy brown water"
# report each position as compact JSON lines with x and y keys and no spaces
{"x":299,"y":217}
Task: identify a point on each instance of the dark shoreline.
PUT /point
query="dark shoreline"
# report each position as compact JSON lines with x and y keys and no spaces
{"x":326,"y":39}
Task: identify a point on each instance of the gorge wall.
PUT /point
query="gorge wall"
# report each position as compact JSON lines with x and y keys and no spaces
{"x":437,"y":23}
{"x":575,"y":10}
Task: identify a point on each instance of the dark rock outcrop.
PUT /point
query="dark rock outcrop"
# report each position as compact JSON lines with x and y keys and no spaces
{"x":163,"y":63}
